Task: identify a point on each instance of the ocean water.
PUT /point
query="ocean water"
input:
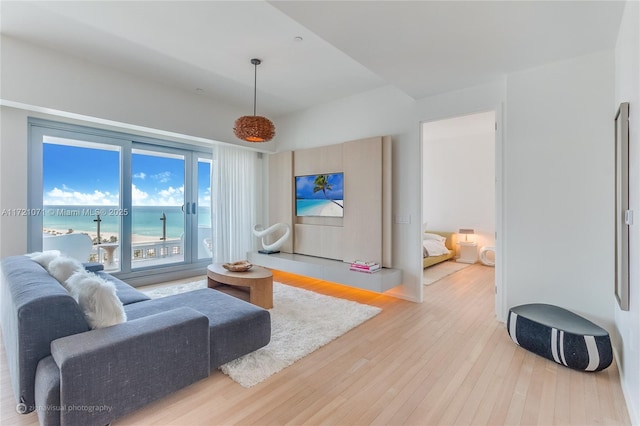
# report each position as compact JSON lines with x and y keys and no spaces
{"x":145,"y":220}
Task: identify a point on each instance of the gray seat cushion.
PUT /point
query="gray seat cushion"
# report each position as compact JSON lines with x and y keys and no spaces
{"x":236,"y":327}
{"x":48,"y":391}
{"x":125,"y":292}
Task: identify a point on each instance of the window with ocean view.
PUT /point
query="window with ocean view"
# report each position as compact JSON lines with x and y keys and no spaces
{"x":143,"y":205}
{"x":85,"y":198}
{"x":158,"y":204}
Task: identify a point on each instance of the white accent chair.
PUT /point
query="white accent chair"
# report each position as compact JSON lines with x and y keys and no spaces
{"x":77,"y":246}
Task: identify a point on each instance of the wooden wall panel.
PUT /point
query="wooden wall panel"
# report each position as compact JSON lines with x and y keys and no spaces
{"x":320,"y":241}
{"x":365,"y":230}
{"x":363,"y":200}
{"x":320,"y":236}
{"x":281,"y":207}
{"x":387,"y":202}
{"x":313,"y":161}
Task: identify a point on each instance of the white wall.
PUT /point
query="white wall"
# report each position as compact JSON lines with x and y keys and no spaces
{"x":13,"y":188}
{"x":559,"y":186}
{"x":458,"y":158}
{"x":627,"y":323}
{"x":35,"y":76}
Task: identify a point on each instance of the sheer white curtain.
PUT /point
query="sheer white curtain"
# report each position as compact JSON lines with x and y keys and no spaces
{"x":234,"y":198}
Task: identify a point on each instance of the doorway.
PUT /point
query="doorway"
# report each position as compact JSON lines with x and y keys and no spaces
{"x":460,"y":194}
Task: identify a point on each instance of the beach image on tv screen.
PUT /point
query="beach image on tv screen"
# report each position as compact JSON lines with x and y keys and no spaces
{"x":320,"y":195}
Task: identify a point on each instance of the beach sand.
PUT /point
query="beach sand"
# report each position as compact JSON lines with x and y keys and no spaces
{"x":328,"y":209}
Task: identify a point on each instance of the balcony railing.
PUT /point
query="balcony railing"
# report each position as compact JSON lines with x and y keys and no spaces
{"x":148,"y":253}
{"x":142,"y":254}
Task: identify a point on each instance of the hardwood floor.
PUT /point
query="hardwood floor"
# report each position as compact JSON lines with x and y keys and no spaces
{"x":446,"y":361}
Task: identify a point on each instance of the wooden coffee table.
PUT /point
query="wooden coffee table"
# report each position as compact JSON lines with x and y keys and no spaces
{"x":257,"y":280}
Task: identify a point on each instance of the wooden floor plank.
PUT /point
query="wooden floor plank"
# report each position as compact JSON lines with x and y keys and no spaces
{"x":445,"y":361}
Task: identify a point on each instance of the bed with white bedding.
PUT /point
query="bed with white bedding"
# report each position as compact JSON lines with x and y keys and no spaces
{"x":437,"y":246}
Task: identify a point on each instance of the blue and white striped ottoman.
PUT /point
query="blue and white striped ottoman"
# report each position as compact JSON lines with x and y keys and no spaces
{"x":561,"y":336}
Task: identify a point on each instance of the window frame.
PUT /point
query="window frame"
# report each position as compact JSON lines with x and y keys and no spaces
{"x":126,"y":142}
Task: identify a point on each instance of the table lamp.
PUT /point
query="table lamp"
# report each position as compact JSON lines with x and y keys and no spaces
{"x":466,"y":232}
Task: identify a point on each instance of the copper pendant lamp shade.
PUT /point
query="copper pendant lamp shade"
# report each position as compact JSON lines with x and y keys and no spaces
{"x":254,"y":128}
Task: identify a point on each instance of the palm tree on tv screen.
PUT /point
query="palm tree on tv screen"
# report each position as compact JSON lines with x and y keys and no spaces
{"x":321,"y":183}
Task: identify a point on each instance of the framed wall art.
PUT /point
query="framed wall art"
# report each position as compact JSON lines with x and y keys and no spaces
{"x":623,"y":215}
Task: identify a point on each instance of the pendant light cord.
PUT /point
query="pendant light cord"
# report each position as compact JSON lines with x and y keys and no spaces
{"x":255,"y":85}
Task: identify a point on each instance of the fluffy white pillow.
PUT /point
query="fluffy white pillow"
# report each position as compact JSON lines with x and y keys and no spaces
{"x":44,"y":257}
{"x":62,"y":267}
{"x":428,"y":236}
{"x":97,"y":299}
{"x":435,"y":248}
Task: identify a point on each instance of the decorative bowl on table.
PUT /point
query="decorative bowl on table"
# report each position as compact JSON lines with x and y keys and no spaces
{"x":239,"y":266}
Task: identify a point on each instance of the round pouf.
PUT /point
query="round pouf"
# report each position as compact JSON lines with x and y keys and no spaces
{"x":561,"y":336}
{"x":483,"y":256}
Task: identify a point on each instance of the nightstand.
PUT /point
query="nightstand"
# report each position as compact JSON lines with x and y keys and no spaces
{"x":468,"y":252}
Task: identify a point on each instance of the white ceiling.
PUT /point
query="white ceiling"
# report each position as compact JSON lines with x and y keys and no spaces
{"x":348,"y":47}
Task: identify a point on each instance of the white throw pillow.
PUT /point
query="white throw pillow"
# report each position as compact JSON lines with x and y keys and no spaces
{"x":97,"y":299}
{"x":62,"y":267}
{"x":44,"y":257}
{"x":428,"y":236}
{"x":435,"y":248}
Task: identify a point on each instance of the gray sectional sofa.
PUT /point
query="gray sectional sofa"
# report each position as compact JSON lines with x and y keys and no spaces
{"x":72,"y":375}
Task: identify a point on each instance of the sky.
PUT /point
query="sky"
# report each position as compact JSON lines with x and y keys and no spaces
{"x":305,"y":185}
{"x":85,"y":176}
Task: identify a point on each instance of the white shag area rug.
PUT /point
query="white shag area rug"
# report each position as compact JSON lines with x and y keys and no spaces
{"x":301,"y":322}
{"x":441,"y":270}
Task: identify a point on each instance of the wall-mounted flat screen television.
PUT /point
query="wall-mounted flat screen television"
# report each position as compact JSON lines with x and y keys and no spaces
{"x":320,"y":195}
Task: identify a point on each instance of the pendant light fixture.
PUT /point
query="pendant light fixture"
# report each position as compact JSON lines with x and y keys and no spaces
{"x":254,"y":128}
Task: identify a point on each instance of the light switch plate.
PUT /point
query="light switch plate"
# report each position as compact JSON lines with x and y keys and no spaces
{"x":402,"y":218}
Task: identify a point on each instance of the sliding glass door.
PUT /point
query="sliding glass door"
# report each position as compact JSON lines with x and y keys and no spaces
{"x":81,"y":195}
{"x":158,"y":213}
{"x":144,"y":203}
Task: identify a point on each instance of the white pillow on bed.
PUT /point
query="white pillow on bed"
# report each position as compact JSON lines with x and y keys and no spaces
{"x":428,"y":236}
{"x":435,"y":247}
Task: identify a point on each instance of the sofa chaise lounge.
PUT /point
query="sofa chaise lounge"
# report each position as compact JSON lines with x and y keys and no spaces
{"x":72,"y":375}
